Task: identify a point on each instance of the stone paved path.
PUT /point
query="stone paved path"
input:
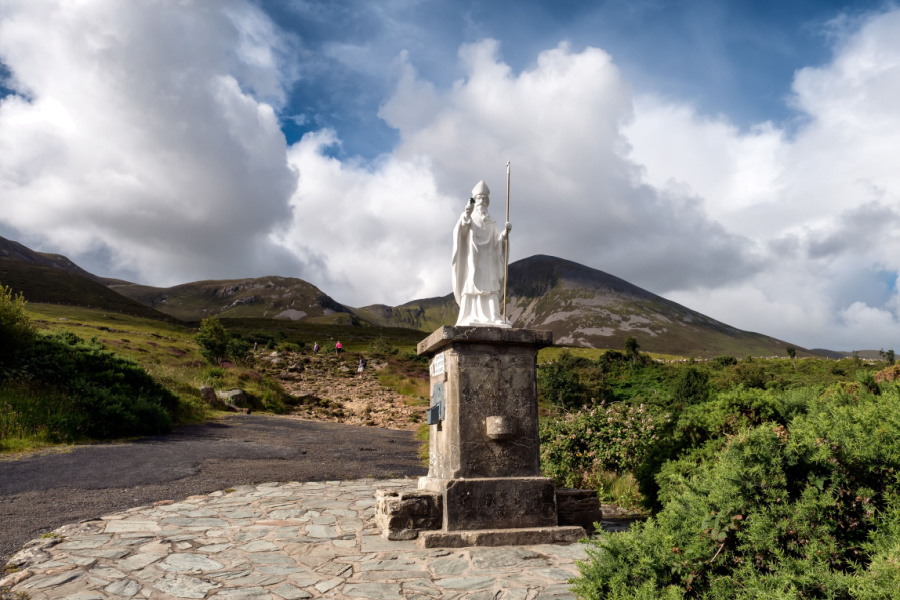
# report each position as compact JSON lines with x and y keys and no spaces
{"x":277,"y":540}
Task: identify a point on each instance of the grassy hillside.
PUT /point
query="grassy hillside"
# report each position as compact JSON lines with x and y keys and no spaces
{"x":425,"y":315}
{"x":43,"y":284}
{"x":263,"y":297}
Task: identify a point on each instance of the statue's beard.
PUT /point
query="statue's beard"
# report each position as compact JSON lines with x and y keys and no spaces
{"x":480,"y":215}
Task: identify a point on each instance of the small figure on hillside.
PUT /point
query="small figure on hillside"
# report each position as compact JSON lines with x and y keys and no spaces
{"x":316,"y":348}
{"x":478,"y":262}
{"x":338,"y":348}
{"x":361,"y":367}
{"x":254,"y":346}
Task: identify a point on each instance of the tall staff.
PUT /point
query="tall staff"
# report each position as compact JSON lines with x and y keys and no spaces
{"x":506,"y":244}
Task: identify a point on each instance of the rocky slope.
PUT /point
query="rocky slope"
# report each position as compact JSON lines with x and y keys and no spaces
{"x":262,"y":297}
{"x":327,"y":388}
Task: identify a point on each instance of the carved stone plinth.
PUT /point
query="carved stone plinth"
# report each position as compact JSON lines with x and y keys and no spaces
{"x":484,"y":452}
{"x":495,"y":503}
{"x":500,"y":537}
{"x":487,"y":382}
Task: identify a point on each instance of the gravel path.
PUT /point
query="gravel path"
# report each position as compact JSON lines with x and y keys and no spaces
{"x":39,"y":493}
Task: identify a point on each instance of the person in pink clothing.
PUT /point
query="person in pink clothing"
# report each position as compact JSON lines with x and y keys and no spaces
{"x":338,"y":348}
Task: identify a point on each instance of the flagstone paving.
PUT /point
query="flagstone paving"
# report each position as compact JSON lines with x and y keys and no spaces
{"x":277,"y":541}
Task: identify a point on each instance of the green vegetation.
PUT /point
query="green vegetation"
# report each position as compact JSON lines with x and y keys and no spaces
{"x":59,"y":388}
{"x":170,"y":353}
{"x":216,"y":344}
{"x":764,"y":478}
{"x":406,"y":373}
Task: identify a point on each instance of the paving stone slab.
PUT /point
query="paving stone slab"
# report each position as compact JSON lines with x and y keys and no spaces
{"x":303,"y":541}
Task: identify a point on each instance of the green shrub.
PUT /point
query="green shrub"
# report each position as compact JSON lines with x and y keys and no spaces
{"x":77,"y":389}
{"x":216,"y":344}
{"x":691,"y":387}
{"x":807,"y":510}
{"x":213,"y":340}
{"x":16,"y":330}
{"x":576,"y":448}
{"x":724,"y":361}
{"x":558,"y":383}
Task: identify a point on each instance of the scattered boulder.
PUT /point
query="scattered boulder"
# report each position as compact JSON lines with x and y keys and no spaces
{"x":235,"y":396}
{"x":401,"y":515}
{"x":209,"y":395}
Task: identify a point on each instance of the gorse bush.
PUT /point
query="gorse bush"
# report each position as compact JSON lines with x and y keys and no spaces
{"x":58,"y":388}
{"x":559,"y":385}
{"x":799,"y":501}
{"x":575,"y":449}
{"x":217,"y":345}
{"x":65,"y":389}
{"x":16,"y":330}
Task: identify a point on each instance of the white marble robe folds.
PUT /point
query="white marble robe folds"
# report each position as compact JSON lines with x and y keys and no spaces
{"x":478,"y":265}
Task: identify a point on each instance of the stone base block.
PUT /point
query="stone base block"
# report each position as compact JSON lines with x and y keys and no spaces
{"x":578,"y":507}
{"x":495,"y":502}
{"x":500,"y":537}
{"x":401,"y":515}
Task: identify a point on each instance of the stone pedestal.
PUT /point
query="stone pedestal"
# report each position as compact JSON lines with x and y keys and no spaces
{"x":484,"y":455}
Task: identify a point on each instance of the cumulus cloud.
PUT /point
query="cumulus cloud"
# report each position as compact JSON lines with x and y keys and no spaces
{"x":822,"y":199}
{"x":147,"y":132}
{"x":574,"y":194}
{"x":144,"y":138}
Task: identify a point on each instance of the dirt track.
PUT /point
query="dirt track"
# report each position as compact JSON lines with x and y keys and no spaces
{"x":38,"y":493}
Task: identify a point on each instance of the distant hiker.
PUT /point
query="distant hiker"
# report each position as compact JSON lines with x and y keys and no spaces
{"x":361,"y":367}
{"x":254,"y":346}
{"x":316,"y":348}
{"x":338,"y":348}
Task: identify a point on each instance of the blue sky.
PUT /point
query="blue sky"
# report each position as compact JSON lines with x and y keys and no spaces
{"x":733,"y":58}
{"x":736,"y":157}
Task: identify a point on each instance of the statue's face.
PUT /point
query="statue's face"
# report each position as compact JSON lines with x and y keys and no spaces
{"x":482,"y":202}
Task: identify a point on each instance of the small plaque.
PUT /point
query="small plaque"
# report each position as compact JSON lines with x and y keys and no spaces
{"x":436,"y":412}
{"x":437,"y":364}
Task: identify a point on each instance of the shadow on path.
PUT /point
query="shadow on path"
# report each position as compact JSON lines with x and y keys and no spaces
{"x":41,"y":492}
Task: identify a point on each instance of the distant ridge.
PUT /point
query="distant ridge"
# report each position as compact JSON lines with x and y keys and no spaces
{"x":15,"y":251}
{"x":51,"y":285}
{"x":270,"y":297}
{"x":590,"y":308}
{"x":582,"y":306}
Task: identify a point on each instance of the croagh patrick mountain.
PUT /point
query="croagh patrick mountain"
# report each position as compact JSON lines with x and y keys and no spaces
{"x":582,"y":306}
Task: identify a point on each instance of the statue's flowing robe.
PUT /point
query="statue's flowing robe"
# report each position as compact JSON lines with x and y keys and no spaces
{"x":478,"y":261}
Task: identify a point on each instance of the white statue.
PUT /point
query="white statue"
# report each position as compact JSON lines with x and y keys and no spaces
{"x":478,"y":263}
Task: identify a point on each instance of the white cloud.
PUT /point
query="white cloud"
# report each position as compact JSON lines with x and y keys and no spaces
{"x":146,"y":131}
{"x":823,"y":200}
{"x":387,"y":225}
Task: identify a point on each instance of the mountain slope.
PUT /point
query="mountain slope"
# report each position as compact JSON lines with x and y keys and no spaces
{"x":52,"y":285}
{"x":587,"y":307}
{"x":261,"y":297}
{"x":14,"y":251}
